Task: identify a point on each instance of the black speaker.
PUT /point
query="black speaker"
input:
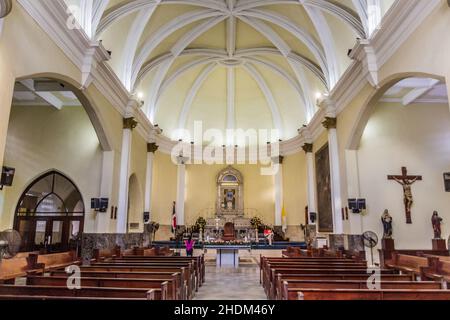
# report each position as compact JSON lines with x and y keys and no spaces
{"x":7,"y":176}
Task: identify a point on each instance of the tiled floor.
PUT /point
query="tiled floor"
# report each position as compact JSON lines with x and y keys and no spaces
{"x":232,"y":284}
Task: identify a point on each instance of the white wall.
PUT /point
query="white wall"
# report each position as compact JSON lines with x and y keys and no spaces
{"x":417,"y":137}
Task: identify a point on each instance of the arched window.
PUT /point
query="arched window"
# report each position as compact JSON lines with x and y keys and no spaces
{"x":50,"y":214}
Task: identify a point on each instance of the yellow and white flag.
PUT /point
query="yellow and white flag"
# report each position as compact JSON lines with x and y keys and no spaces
{"x":284,"y":219}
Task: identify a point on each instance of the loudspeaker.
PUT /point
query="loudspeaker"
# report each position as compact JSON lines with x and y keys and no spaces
{"x":7,"y":176}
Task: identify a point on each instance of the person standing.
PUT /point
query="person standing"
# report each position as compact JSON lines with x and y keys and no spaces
{"x":189,"y":243}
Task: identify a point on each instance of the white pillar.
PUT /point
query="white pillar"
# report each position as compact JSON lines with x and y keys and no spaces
{"x":330,"y":125}
{"x":122,"y":207}
{"x":279,"y":191}
{"x":311,"y":183}
{"x":151,"y":149}
{"x":181,"y":190}
{"x":106,"y":183}
{"x":353,"y":189}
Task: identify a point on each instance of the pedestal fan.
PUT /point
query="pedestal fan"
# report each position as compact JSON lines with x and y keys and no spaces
{"x":10,"y":241}
{"x":370,"y":239}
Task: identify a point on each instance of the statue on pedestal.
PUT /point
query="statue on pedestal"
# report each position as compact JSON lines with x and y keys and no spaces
{"x":436,"y":221}
{"x":386,"y":219}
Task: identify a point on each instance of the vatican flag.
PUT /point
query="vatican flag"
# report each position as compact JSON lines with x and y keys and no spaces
{"x":284,"y":219}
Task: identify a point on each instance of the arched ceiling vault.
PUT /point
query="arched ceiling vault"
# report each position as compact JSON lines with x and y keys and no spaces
{"x":299,"y":48}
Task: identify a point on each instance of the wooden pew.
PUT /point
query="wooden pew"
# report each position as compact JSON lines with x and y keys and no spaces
{"x":185,"y":274}
{"x":280,"y":278}
{"x":179,"y":286}
{"x":10,"y":269}
{"x":167,"y":286}
{"x":192,"y":273}
{"x":291,"y":288}
{"x":409,"y":264}
{"x":358,"y":294}
{"x":438,"y":271}
{"x":58,"y":260}
{"x":85,"y":292}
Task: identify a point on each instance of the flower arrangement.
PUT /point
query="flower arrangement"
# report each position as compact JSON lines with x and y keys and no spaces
{"x":226,"y":243}
{"x":200,"y":224}
{"x":256,"y":222}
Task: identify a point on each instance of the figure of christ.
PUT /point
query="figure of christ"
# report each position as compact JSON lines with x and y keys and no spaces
{"x":406,"y":181}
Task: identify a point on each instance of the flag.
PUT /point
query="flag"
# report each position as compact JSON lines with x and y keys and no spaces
{"x":284,"y":219}
{"x":174,"y":217}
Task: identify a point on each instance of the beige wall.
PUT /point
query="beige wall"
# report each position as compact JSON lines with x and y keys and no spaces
{"x":416,"y":137}
{"x":43,"y":138}
{"x":201,"y":190}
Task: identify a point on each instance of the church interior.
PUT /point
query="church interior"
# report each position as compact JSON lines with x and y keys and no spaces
{"x":224,"y":150}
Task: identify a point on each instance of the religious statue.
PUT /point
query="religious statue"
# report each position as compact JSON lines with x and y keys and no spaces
{"x":406,"y":182}
{"x":386,"y":219}
{"x":436,"y":221}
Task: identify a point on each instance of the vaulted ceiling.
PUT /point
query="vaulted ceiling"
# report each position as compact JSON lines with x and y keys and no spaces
{"x":249,"y":64}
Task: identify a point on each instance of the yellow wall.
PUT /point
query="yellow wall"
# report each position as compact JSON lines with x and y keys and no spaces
{"x":43,"y":138}
{"x":416,"y":137}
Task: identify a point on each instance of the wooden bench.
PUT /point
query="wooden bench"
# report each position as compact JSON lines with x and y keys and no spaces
{"x":85,"y":292}
{"x":408,"y":264}
{"x":280,"y":278}
{"x":289,"y":294}
{"x":58,"y":260}
{"x":185,"y":274}
{"x":180,"y":288}
{"x":358,"y":294}
{"x":10,"y":269}
{"x":167,"y":286}
{"x":439,"y":271}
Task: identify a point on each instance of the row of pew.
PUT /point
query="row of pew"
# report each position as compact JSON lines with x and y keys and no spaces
{"x":136,"y":274}
{"x":340,"y":278}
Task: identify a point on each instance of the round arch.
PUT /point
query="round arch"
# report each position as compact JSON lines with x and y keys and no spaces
{"x":370,"y":103}
{"x":86,"y":101}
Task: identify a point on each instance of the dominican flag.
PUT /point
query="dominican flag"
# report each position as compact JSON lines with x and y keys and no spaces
{"x":174,"y":217}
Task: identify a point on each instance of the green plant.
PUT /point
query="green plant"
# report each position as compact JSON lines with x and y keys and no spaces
{"x":256,"y":222}
{"x":200,"y":224}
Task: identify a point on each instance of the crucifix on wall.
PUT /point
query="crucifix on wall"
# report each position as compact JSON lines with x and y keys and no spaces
{"x":406,"y":181}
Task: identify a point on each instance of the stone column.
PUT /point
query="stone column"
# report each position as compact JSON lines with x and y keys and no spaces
{"x":151,"y":149}
{"x":181,"y":189}
{"x":312,"y":195}
{"x":330,"y":124}
{"x":122,"y":207}
{"x":278,"y":191}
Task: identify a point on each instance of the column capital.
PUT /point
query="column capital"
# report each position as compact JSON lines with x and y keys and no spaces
{"x":329,"y":123}
{"x":181,"y":161}
{"x":152,"y":147}
{"x":5,"y":8}
{"x":129,"y":123}
{"x":278,"y":160}
{"x":308,"y":147}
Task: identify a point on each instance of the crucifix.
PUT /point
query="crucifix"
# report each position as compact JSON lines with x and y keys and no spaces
{"x":406,"y":181}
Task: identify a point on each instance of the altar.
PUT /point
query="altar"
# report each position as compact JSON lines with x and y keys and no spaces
{"x":229,"y":222}
{"x":228,"y":255}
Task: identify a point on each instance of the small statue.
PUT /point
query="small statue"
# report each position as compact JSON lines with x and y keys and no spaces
{"x":386,"y":219}
{"x":436,"y":221}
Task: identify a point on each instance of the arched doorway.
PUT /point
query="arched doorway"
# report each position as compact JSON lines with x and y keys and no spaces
{"x":135,"y":206}
{"x":49,"y":214}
